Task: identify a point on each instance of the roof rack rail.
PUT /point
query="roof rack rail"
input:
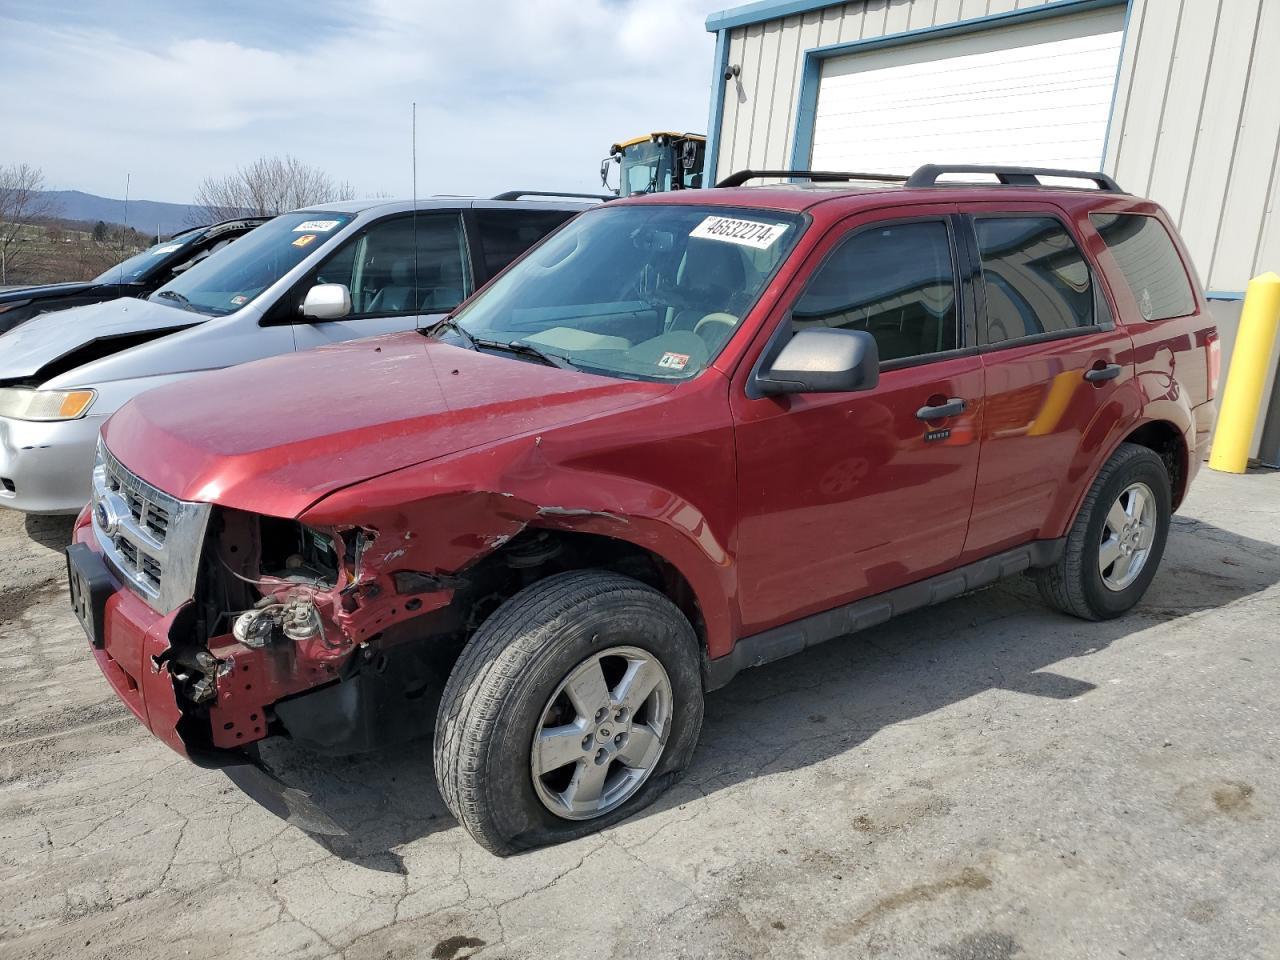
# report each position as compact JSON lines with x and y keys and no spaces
{"x":927,"y":175}
{"x":560,"y":194}
{"x":824,"y":176}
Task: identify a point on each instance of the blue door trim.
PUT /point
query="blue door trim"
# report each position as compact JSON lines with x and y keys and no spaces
{"x":716,"y":118}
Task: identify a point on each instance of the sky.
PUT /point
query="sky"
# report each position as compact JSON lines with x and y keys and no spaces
{"x":510,"y":94}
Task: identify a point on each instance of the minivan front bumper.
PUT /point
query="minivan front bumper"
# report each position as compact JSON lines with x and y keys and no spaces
{"x":47,"y":467}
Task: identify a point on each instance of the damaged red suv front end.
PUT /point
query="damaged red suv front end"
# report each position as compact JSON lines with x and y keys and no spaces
{"x":333,"y":616}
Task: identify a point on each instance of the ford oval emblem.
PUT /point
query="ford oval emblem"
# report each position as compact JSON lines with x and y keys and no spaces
{"x":110,"y":512}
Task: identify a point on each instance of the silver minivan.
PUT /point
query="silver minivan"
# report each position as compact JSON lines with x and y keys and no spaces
{"x":315,"y":276}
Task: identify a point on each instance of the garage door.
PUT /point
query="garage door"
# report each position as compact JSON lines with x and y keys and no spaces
{"x":1033,"y":95}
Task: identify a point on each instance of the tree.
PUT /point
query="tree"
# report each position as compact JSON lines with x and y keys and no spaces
{"x":266,"y":187}
{"x":99,"y":232}
{"x":22,"y":203}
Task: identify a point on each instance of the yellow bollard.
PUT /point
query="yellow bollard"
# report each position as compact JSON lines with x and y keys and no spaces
{"x":1247,"y":376}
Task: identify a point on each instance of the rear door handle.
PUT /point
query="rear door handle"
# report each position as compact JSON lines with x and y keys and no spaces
{"x":952,"y":408}
{"x":1099,"y":374}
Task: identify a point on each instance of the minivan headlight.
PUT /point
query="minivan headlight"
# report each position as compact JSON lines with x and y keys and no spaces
{"x":21,"y":403}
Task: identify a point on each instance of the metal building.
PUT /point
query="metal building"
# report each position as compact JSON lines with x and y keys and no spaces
{"x":1179,"y":100}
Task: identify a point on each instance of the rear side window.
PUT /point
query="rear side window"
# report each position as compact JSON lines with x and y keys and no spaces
{"x":895,"y":281}
{"x":1036,"y":280}
{"x":505,"y":234}
{"x":1149,"y":262}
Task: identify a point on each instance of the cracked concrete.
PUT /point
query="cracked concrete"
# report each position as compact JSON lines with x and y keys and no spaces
{"x":985,"y":779}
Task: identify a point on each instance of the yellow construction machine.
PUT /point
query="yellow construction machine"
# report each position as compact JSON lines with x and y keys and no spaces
{"x":656,"y":162}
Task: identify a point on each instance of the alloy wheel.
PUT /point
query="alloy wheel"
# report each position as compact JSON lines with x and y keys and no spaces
{"x":602,"y":733}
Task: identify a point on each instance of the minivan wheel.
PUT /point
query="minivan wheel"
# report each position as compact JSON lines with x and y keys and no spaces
{"x":1117,"y":540}
{"x":577,"y":703}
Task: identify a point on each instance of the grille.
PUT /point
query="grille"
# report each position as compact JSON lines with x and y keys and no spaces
{"x":148,"y":514}
{"x":150,"y":538}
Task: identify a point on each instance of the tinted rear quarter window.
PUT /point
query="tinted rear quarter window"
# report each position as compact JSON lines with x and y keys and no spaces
{"x":1149,"y":263}
{"x":1036,"y":280}
{"x":505,"y":234}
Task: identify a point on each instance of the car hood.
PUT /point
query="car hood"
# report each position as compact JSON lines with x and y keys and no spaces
{"x":276,"y":435}
{"x":45,"y":290}
{"x":34,"y":347}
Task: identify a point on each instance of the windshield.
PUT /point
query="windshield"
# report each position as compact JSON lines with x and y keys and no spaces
{"x":141,"y":264}
{"x":226,"y":282}
{"x":646,"y":168}
{"x":651,"y":291}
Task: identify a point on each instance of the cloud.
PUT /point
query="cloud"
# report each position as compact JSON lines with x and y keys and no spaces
{"x":509,"y":93}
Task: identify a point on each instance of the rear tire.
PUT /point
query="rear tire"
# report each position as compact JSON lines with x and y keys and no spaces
{"x":507,"y":751}
{"x":1115,"y":545}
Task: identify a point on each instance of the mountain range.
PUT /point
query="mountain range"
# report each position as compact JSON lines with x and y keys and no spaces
{"x":147,"y":216}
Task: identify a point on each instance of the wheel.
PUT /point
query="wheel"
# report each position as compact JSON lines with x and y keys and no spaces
{"x":1116,"y":542}
{"x":577,"y":703}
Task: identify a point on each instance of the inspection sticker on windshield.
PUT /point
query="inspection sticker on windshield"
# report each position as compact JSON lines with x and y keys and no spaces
{"x":169,"y":249}
{"x":303,"y":240}
{"x":674,"y":361}
{"x":748,"y":233}
{"x":316,"y":226}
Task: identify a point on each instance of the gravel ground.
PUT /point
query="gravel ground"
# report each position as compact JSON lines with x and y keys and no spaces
{"x":979,"y":781}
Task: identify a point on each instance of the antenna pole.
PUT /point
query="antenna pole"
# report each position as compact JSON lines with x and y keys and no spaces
{"x":128,"y":178}
{"x":413,"y":150}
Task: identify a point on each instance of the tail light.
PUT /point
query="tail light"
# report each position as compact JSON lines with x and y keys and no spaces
{"x":1214,"y":348}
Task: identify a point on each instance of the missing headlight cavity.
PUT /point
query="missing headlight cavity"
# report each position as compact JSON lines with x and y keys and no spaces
{"x":291,"y":551}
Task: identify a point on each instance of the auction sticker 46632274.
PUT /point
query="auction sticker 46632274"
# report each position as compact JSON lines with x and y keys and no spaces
{"x":748,"y":233}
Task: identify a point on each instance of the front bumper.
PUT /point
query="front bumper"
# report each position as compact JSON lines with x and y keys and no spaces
{"x":133,"y":634}
{"x":47,"y":467}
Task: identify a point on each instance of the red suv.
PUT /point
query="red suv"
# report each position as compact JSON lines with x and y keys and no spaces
{"x":687,"y":434}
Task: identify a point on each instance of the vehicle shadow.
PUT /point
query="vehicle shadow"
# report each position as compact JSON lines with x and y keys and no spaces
{"x":51,"y":532}
{"x":829,"y":700}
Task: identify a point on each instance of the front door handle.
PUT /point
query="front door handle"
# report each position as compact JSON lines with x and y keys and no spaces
{"x":952,"y":408}
{"x":1099,"y":374}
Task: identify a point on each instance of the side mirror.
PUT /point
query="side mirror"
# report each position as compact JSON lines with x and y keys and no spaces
{"x":605,"y":164}
{"x":327,"y":301}
{"x":823,"y":360}
{"x":689,"y":154}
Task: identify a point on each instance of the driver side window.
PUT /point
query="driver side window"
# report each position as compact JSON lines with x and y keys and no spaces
{"x":896,"y":281}
{"x":385,"y":278}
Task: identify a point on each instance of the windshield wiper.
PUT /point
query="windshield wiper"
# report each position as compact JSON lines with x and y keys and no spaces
{"x":526,"y":350}
{"x":179,"y":299}
{"x":448,"y":323}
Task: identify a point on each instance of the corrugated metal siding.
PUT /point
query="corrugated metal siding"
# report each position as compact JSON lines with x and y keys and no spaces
{"x":759,"y":108}
{"x":1196,"y":122}
{"x":1197,"y":128}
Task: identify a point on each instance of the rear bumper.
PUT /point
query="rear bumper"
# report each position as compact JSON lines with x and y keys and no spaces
{"x":133,"y":634}
{"x":47,"y":467}
{"x":1199,"y":436}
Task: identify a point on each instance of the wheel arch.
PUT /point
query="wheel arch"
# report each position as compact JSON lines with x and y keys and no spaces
{"x":1164,"y":439}
{"x":539,"y":552}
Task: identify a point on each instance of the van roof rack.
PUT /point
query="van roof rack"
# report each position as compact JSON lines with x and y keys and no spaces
{"x":558,"y":194}
{"x":817,"y":176}
{"x":927,"y":175}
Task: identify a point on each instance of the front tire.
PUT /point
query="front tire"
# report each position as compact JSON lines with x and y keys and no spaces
{"x":577,"y":703}
{"x":1117,"y":540}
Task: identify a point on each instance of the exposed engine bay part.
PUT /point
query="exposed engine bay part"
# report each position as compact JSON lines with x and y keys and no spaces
{"x":296,"y":619}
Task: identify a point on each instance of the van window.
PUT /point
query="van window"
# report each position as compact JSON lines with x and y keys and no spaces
{"x":1035,"y":277}
{"x":378,"y":266}
{"x":1149,"y":262}
{"x":505,"y":234}
{"x":896,"y":281}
